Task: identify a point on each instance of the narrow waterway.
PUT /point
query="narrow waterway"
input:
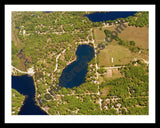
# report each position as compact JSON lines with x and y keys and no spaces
{"x":25,"y":86}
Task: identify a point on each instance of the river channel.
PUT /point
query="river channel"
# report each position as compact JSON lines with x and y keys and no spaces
{"x":25,"y":86}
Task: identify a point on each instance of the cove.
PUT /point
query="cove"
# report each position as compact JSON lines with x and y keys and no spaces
{"x":25,"y":86}
{"x":74,"y":74}
{"x":104,"y":16}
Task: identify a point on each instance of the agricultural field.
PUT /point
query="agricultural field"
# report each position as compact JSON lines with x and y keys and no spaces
{"x":122,"y":55}
{"x":137,"y":34}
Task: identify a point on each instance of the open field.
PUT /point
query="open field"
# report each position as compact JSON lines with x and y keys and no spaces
{"x":18,"y":43}
{"x":120,"y":54}
{"x":110,"y":75}
{"x":130,"y":33}
{"x":139,"y":35}
{"x":99,"y":35}
{"x":115,"y":74}
{"x":105,"y":91}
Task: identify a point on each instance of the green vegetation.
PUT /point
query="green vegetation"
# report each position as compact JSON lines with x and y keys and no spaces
{"x":140,"y":20}
{"x":73,"y":104}
{"x":17,"y":101}
{"x":123,"y":94}
{"x":51,"y":34}
{"x":15,"y":59}
{"x":132,"y":90}
{"x":51,"y":39}
{"x":87,"y":87}
{"x":101,"y":70}
{"x":48,"y":96}
{"x":130,"y":45}
{"x":122,"y":55}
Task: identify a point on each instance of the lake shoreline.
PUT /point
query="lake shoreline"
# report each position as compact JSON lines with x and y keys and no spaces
{"x":29,"y":95}
{"x":109,"y":16}
{"x":37,"y":103}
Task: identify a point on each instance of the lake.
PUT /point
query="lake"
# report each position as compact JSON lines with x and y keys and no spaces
{"x":104,"y":16}
{"x":25,"y":86}
{"x":74,"y":74}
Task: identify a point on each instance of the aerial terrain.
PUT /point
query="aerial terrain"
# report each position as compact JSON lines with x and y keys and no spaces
{"x":75,"y":70}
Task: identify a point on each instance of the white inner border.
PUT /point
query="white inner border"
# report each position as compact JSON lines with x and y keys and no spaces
{"x":80,"y":118}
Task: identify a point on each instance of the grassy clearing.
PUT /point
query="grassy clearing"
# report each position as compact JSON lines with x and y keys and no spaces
{"x":99,"y":35}
{"x":105,"y":91}
{"x":115,"y":74}
{"x":137,"y":34}
{"x":121,"y":55}
{"x":130,"y":33}
{"x":15,"y":31}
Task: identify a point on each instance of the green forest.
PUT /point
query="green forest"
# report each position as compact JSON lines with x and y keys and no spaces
{"x":130,"y":91}
{"x":17,"y":101}
{"x":127,"y":95}
{"x":48,"y":39}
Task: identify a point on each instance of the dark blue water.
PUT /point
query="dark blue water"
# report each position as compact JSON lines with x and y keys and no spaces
{"x":104,"y":16}
{"x":48,"y":11}
{"x":74,"y":74}
{"x":25,"y":85}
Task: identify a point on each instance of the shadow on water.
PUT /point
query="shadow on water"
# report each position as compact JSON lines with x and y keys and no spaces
{"x":74,"y":74}
{"x":25,"y":85}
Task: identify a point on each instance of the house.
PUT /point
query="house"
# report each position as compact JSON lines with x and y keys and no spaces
{"x":119,"y":105}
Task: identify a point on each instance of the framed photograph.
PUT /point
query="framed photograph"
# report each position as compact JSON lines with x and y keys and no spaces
{"x":80,"y":63}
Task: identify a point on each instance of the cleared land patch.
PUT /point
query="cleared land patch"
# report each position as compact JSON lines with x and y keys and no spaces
{"x":139,"y":35}
{"x":99,"y":35}
{"x":132,"y":33}
{"x":121,"y":55}
{"x":110,"y":74}
{"x":105,"y":91}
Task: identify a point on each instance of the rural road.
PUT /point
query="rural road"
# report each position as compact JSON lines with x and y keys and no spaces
{"x":57,"y":59}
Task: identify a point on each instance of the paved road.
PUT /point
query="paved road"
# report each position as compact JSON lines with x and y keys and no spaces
{"x":113,"y":67}
{"x":18,"y":70}
{"x":30,"y":70}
